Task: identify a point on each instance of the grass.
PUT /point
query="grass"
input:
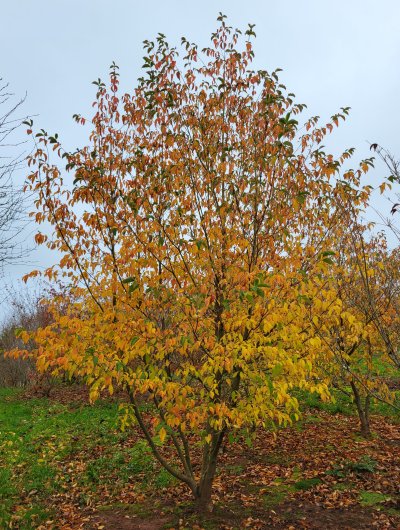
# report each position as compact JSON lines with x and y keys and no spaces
{"x":365,"y":464}
{"x":234,"y":469}
{"x":372,"y":498}
{"x":276,"y":494}
{"x":343,"y":404}
{"x":37,"y":440}
{"x":378,"y":500}
{"x":342,"y":400}
{"x":48,"y":448}
{"x":307,"y":483}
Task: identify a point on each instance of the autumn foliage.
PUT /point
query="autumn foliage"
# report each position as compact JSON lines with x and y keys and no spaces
{"x":363,"y":337}
{"x":196,"y":231}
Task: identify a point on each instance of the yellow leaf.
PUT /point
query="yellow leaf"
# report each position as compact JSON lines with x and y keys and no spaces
{"x":162,"y":434}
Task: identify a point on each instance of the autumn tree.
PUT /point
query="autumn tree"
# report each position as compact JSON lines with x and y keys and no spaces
{"x":362,"y":334}
{"x":194,"y":230}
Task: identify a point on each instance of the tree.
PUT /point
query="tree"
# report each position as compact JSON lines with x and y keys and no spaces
{"x":11,"y":197}
{"x":393,"y":165}
{"x":25,"y":311}
{"x":390,"y":161}
{"x":363,"y":334}
{"x":195,"y":230}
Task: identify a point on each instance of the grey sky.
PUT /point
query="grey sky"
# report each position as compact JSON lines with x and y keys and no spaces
{"x":336,"y":53}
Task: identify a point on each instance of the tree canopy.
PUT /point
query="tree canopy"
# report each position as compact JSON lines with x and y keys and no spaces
{"x":196,"y":230}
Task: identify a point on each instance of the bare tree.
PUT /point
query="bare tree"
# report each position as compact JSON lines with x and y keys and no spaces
{"x":389,"y":160}
{"x":11,"y":196}
{"x":26,"y":310}
{"x":393,"y":165}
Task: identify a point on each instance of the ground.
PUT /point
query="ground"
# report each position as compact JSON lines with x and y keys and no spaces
{"x":65,"y":464}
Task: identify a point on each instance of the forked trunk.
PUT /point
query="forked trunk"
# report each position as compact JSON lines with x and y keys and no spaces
{"x":209,"y":467}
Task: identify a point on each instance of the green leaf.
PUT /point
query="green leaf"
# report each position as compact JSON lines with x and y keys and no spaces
{"x":301,"y":197}
{"x":226,"y":303}
{"x":277,"y":370}
{"x":133,"y":287}
{"x":129,"y":280}
{"x":200,"y":243}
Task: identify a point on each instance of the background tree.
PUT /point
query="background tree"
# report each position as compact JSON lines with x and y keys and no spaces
{"x":393,"y":165}
{"x":25,"y":311}
{"x":11,"y":196}
{"x":363,"y":334}
{"x":195,"y":231}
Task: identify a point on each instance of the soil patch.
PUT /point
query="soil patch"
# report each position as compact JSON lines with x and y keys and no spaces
{"x":122,"y":519}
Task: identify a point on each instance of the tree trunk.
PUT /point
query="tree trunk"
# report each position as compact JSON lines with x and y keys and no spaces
{"x":203,"y":497}
{"x":204,"y":489}
{"x":209,"y":467}
{"x":364,"y":418}
{"x":365,"y":427}
{"x":363,"y":411}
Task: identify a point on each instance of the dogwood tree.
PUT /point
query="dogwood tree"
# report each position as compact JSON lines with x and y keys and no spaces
{"x":194,"y":229}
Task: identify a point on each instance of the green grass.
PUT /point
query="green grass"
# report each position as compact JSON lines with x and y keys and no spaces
{"x":340,"y":404}
{"x":343,"y":404}
{"x":307,"y":483}
{"x":372,"y":498}
{"x":276,"y":494}
{"x":234,"y":469}
{"x":342,"y":400}
{"x":37,"y":440}
{"x":378,"y":501}
{"x":365,"y":464}
{"x":47,"y":446}
{"x":122,"y":466}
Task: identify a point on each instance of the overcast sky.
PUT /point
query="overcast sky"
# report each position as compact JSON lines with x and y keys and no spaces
{"x":333,"y":54}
